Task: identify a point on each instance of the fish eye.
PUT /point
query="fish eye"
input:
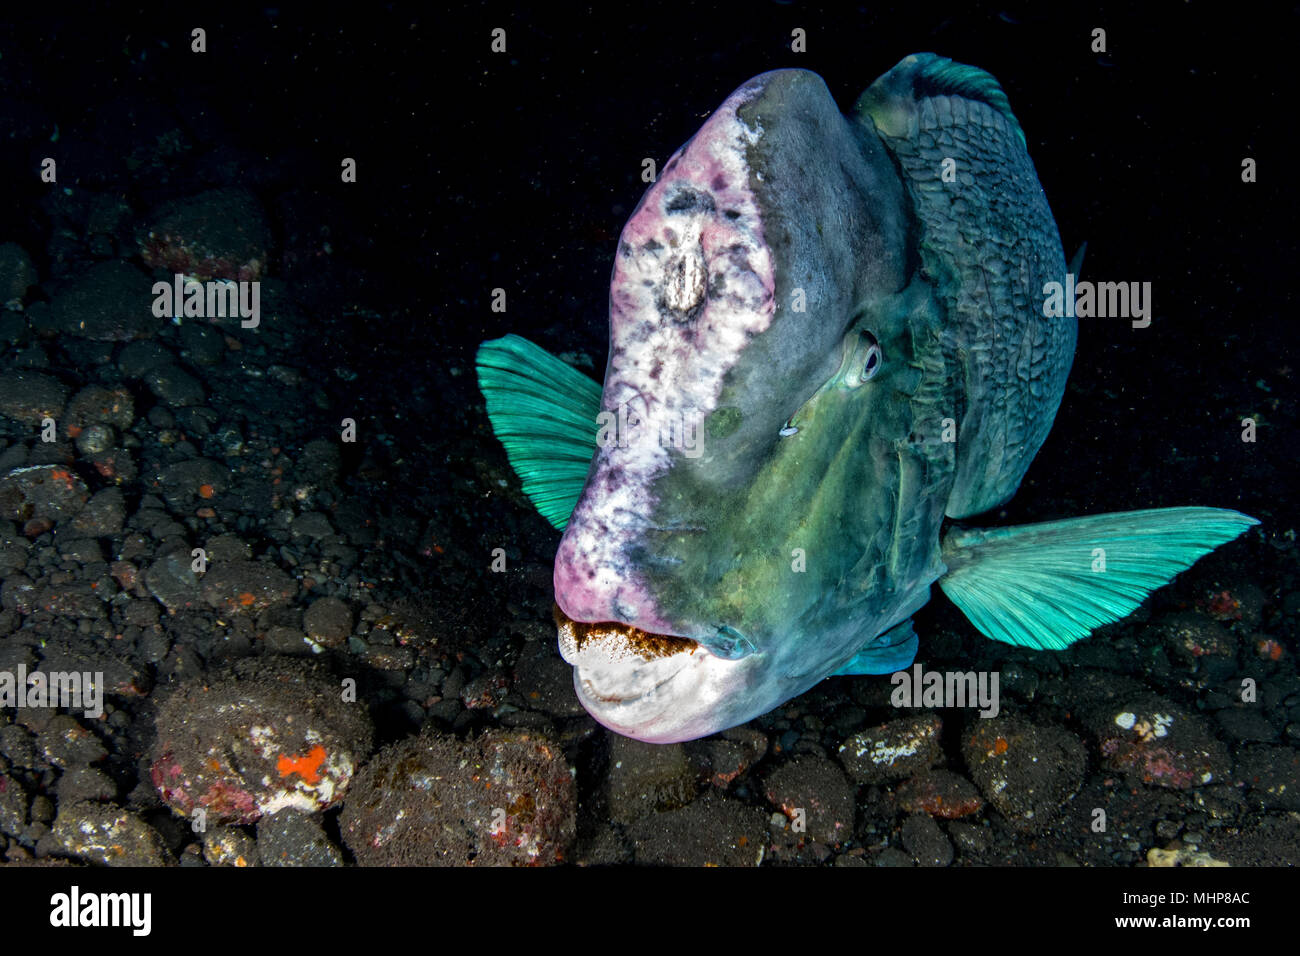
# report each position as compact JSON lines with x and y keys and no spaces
{"x":864,"y":359}
{"x":873,"y":362}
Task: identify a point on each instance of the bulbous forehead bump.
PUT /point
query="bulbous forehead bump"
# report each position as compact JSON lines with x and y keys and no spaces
{"x":693,"y":283}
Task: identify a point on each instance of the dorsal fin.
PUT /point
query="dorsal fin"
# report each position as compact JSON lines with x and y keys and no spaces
{"x":923,"y":75}
{"x":941,"y":76}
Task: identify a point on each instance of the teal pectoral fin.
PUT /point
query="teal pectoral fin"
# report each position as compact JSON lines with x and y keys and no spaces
{"x":544,"y":412}
{"x":1048,"y":585}
{"x":884,"y":654}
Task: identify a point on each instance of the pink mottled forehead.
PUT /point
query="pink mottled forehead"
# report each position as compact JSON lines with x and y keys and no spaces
{"x":693,"y":279}
{"x":693,"y":283}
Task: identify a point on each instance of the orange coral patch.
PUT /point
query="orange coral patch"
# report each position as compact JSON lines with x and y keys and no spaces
{"x":307,"y":767}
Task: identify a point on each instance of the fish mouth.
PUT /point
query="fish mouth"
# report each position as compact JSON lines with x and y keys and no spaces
{"x":606,"y":645}
{"x":659,"y":688}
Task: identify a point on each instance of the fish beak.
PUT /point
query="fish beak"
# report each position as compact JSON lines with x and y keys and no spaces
{"x":651,"y":687}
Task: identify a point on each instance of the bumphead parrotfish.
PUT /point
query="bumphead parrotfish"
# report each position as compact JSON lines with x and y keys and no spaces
{"x":826,"y":337}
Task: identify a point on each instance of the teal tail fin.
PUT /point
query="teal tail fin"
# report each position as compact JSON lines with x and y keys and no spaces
{"x":1048,"y":585}
{"x":544,"y":412}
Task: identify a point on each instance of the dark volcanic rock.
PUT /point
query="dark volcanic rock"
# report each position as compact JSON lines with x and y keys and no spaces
{"x":644,"y":778}
{"x":30,"y":397}
{"x":1026,"y":771}
{"x":328,"y":621}
{"x":108,"y":835}
{"x":506,"y":798}
{"x":50,"y":492}
{"x":1273,"y":775}
{"x":1150,"y":738}
{"x":894,"y":750}
{"x":110,"y":302}
{"x":925,"y":841}
{"x":940,"y":793}
{"x":219,"y":234}
{"x":290,"y":838}
{"x":713,"y":831}
{"x":268,"y":735}
{"x":818,"y":788}
{"x":246,"y":586}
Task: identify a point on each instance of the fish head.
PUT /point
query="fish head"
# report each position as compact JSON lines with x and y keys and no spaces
{"x":737,"y":538}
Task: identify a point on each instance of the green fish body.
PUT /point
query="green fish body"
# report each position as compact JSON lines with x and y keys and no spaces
{"x":827,"y":338}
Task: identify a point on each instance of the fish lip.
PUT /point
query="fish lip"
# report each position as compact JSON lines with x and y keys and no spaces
{"x":626,"y":643}
{"x":589,"y":691}
{"x":657,"y":688}
{"x":684,"y":703}
{"x":649,"y":645}
{"x":647,"y":640}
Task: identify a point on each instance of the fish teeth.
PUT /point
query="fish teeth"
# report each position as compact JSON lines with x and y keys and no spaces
{"x":595,"y":645}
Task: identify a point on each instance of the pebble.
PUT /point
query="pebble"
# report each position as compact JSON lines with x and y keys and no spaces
{"x":85,"y":783}
{"x":230,"y":846}
{"x":136,"y":359}
{"x":186,"y":484}
{"x":64,"y":742}
{"x":386,"y":657}
{"x":31,"y":397}
{"x":202,"y":344}
{"x":328,"y":621}
{"x":290,"y":838}
{"x":98,"y":405}
{"x":892,"y":856}
{"x":1025,"y":770}
{"x":313,"y":524}
{"x":103,"y":304}
{"x":1273,"y":775}
{"x":103,"y":515}
{"x":893,"y":751}
{"x":505,"y":798}
{"x":108,"y":835}
{"x":818,"y":788}
{"x":42,"y":492}
{"x":646,"y":778}
{"x":217,"y":234}
{"x":1198,"y":641}
{"x":174,"y":386}
{"x":1150,"y":738}
{"x":727,"y":756}
{"x":715,"y":830}
{"x":172,"y":581}
{"x":246,"y":587}
{"x":13,"y":806}
{"x":940,"y":793}
{"x":1246,"y":723}
{"x":922,"y":838}
{"x":286,"y":640}
{"x":970,"y":838}
{"x":270,"y":734}
{"x":17,"y":275}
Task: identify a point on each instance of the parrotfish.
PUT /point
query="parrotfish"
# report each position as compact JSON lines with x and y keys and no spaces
{"x":827,"y":344}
